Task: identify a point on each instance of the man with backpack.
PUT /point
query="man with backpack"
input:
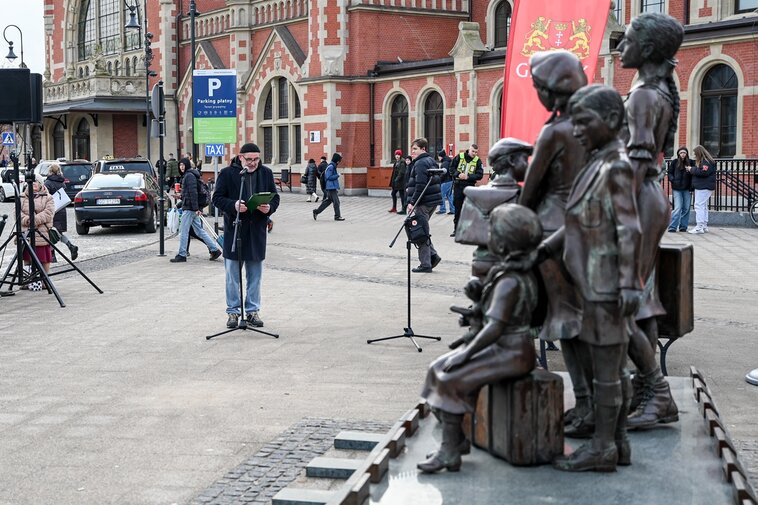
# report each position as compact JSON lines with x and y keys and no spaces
{"x":332,"y":181}
{"x":194,"y":197}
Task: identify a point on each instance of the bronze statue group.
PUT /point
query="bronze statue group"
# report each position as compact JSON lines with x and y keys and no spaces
{"x":577,"y":243}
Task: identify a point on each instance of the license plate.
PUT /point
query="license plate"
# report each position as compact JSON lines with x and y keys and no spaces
{"x":108,"y":201}
{"x":80,"y":186}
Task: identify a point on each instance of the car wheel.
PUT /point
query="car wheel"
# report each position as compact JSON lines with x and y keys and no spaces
{"x":82,"y":229}
{"x":152,"y":224}
{"x":2,"y":195}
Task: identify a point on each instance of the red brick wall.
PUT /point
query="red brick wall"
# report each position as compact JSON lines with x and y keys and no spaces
{"x":125,"y":136}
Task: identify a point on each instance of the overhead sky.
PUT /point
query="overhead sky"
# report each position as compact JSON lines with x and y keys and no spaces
{"x":28,"y":16}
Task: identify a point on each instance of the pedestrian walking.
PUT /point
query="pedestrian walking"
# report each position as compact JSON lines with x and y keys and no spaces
{"x":332,"y":182}
{"x":704,"y":184}
{"x":311,"y":175}
{"x":53,"y":183}
{"x":680,"y":177}
{"x":397,"y":181}
{"x":446,"y":184}
{"x":423,"y":206}
{"x":172,"y":171}
{"x":321,"y":169}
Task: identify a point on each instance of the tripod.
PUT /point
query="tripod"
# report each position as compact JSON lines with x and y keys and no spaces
{"x":236,"y":246}
{"x":25,"y":241}
{"x":408,"y":330}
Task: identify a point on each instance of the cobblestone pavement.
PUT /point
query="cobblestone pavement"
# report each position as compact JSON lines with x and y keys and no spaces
{"x":279,"y":462}
{"x":118,"y":398}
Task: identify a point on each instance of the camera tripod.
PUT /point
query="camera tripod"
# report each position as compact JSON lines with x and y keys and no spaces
{"x":25,"y":241}
{"x":408,"y":330}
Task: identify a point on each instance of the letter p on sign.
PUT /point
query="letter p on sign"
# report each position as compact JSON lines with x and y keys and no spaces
{"x":213,"y":84}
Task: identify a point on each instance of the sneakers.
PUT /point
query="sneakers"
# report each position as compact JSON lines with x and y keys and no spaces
{"x":339,"y":218}
{"x":672,"y":230}
{"x":421,"y":270}
{"x":436,"y":260}
{"x":253,"y":319}
{"x":314,"y":214}
{"x":316,"y":200}
{"x":401,"y":212}
{"x":441,"y":212}
{"x":178,"y":259}
{"x":232,"y":320}
{"x":215,"y":254}
{"x":308,"y":200}
{"x":696,"y":231}
{"x":74,"y":252}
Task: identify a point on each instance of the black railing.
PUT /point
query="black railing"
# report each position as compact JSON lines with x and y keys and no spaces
{"x":736,"y":182}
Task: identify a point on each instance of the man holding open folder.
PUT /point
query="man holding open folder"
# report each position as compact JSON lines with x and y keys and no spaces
{"x":256,"y":182}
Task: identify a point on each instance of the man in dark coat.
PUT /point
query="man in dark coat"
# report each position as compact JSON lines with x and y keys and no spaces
{"x":423,"y":206}
{"x":447,"y":183}
{"x":245,"y":173}
{"x":466,"y":170}
{"x":321,"y":170}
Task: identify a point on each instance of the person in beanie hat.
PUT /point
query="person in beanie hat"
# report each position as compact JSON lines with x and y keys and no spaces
{"x":245,"y":173}
{"x":191,"y":213}
{"x":447,"y":183}
{"x":397,"y":181}
{"x":332,"y":179}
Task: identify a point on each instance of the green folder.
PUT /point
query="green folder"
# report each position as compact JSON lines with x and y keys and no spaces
{"x":257,"y":199}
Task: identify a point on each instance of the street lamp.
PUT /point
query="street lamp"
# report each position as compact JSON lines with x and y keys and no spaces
{"x":133,"y":24}
{"x":192,"y":13}
{"x":11,"y":55}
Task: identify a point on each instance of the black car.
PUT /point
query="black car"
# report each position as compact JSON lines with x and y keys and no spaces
{"x":75,"y":173}
{"x":123,"y":165}
{"x":129,"y":198}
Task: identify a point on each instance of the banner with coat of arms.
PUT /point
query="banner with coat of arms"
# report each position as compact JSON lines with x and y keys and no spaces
{"x":545,"y":25}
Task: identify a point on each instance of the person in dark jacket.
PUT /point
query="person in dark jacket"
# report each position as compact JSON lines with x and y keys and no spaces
{"x":311,"y":174}
{"x":466,"y":170}
{"x":53,"y":183}
{"x":447,"y":184}
{"x":321,"y":170}
{"x":680,"y":177}
{"x":423,"y":205}
{"x":252,"y":234}
{"x":331,"y":192}
{"x":191,"y":215}
{"x":397,"y":181}
{"x":172,"y":171}
{"x":704,"y":183}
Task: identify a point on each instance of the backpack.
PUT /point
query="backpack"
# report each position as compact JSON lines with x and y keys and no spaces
{"x":417,"y":229}
{"x":203,"y":193}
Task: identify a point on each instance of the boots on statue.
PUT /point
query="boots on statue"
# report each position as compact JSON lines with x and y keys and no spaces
{"x":656,"y":405}
{"x":599,"y":455}
{"x":622,"y":439}
{"x":448,"y":456}
{"x":582,"y":419}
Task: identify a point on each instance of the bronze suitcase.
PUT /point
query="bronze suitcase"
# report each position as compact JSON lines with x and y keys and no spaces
{"x":521,"y":421}
{"x":675,"y":288}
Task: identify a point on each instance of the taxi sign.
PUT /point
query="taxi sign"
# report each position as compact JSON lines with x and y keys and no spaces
{"x":215,"y":150}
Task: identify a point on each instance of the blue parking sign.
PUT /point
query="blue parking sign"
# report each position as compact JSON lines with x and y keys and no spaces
{"x":214,"y":106}
{"x":9,"y":139}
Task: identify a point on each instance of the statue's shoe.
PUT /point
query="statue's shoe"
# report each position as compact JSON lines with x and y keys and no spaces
{"x":581,"y":427}
{"x":438,"y":461}
{"x":624,"y":451}
{"x":587,"y":459}
{"x":657,"y":407}
{"x":463,"y":448}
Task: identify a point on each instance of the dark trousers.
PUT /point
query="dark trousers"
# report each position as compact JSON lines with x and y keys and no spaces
{"x":331,"y":197}
{"x":458,"y":198}
{"x":394,"y":194}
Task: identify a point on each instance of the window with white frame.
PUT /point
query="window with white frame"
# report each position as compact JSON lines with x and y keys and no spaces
{"x":101,"y":24}
{"x":502,"y":23}
{"x":718,"y":113}
{"x":653,"y":6}
{"x":280,"y":125}
{"x":745,"y":5}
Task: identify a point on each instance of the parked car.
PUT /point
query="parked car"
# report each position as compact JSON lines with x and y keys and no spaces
{"x":76,"y":173}
{"x":123,"y":165}
{"x":116,"y":198}
{"x":6,"y":182}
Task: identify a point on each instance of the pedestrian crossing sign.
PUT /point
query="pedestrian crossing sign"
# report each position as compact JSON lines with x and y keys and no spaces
{"x":8,"y":139}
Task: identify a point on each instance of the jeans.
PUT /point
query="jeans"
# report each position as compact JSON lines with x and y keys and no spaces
{"x":447,"y":196}
{"x":701,"y":207}
{"x":253,"y":272}
{"x":426,"y":251}
{"x":330,"y":197}
{"x":192,"y":220}
{"x":680,"y":216}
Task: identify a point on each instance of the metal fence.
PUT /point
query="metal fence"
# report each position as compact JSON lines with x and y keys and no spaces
{"x":736,"y":182}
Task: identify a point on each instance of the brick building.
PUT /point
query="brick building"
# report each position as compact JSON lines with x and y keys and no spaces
{"x":359,"y":77}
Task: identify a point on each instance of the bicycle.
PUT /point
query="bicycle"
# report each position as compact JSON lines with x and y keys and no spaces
{"x":754,"y":212}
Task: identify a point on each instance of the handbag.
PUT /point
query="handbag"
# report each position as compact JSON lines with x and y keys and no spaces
{"x":417,"y":229}
{"x":303,"y":179}
{"x":61,"y":199}
{"x":54,"y":235}
{"x":172,"y":220}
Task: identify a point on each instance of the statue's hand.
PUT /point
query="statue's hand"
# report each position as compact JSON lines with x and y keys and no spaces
{"x":629,"y":301}
{"x":454,"y":361}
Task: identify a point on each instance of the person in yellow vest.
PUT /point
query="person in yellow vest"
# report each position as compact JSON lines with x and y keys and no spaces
{"x":466,"y":169}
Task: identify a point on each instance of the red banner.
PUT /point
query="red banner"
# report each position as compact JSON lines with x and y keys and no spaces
{"x":544,"y":25}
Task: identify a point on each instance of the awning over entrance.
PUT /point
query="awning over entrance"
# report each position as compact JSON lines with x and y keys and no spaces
{"x":95,"y":105}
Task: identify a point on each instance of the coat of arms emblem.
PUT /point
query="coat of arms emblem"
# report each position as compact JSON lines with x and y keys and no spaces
{"x":546,"y":34}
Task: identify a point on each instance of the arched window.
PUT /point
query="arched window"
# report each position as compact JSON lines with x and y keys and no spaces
{"x":81,"y":140}
{"x":128,"y":67}
{"x":59,"y":141}
{"x":718,"y":116}
{"x":101,"y":24}
{"x":433,"y":119}
{"x":281,"y":132}
{"x":502,"y":23}
{"x":399,"y":126}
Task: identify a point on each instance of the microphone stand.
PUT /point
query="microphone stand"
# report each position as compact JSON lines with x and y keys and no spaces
{"x":236,"y":246}
{"x":408,"y":330}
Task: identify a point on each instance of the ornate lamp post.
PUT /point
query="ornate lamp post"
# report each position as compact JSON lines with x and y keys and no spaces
{"x":11,"y":55}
